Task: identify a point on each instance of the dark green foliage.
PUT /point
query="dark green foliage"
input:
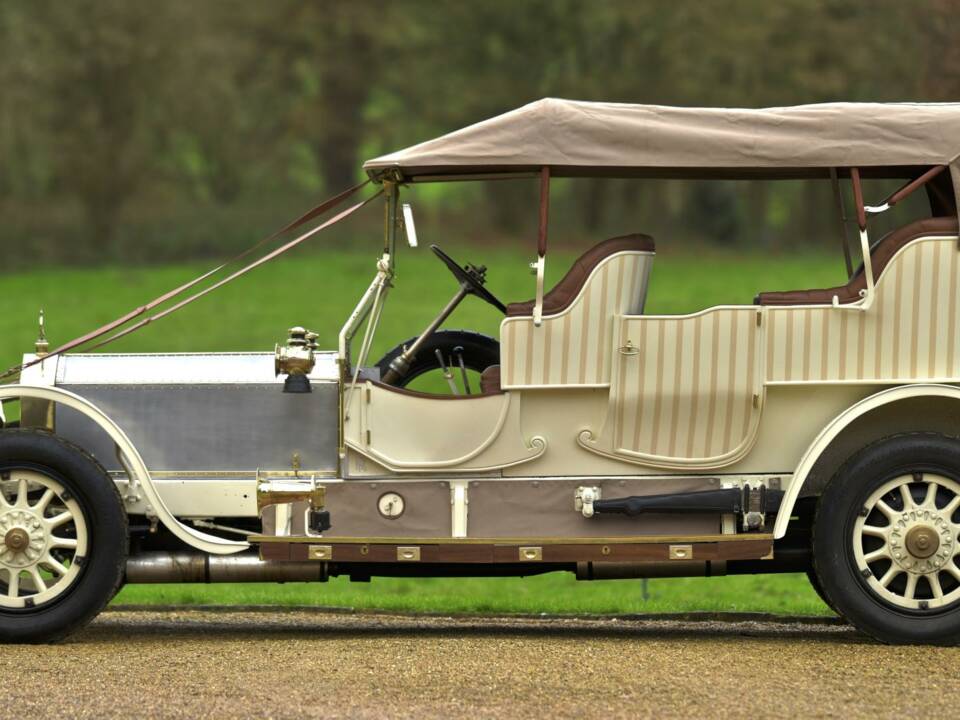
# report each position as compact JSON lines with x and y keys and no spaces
{"x":136,"y":132}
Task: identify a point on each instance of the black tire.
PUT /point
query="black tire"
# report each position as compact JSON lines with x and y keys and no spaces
{"x":479,"y":352}
{"x":818,"y":589}
{"x":844,"y":585}
{"x":103,"y":564}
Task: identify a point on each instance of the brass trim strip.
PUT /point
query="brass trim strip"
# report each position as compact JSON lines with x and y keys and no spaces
{"x":626,"y":540}
{"x":233,"y":474}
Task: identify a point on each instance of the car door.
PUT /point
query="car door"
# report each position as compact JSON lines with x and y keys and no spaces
{"x":686,"y":391}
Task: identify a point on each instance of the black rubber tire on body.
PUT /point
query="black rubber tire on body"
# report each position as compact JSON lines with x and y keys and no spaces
{"x":833,"y":560}
{"x":818,"y":589}
{"x":106,"y":521}
{"x":479,"y":352}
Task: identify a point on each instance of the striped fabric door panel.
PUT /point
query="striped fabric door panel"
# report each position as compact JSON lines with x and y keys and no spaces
{"x":689,"y":394}
{"x":572,"y":348}
{"x":909,"y":332}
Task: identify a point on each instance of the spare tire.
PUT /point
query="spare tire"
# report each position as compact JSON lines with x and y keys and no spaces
{"x":479,"y":352}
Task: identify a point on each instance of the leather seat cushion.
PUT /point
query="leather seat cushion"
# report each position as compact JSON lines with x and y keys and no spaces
{"x":565,"y":291}
{"x":490,"y":381}
{"x":880,"y":256}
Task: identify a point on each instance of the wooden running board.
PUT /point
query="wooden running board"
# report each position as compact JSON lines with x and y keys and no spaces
{"x":513,"y":550}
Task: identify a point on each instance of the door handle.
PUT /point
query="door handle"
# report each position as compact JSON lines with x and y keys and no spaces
{"x":629,"y":349}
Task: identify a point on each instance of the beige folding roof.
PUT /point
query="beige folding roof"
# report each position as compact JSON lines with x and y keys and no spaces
{"x":616,"y":139}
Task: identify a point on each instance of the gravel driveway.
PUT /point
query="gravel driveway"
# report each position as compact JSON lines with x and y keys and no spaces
{"x":292,"y":664}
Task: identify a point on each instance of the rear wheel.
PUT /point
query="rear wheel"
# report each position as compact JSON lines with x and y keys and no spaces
{"x":63,"y":537}
{"x":885,"y":539}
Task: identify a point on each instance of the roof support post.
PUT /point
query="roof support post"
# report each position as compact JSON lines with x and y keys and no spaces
{"x":864,"y":238}
{"x":391,"y":190}
{"x":540,"y":265}
{"x":905,"y":191}
{"x":844,"y":238}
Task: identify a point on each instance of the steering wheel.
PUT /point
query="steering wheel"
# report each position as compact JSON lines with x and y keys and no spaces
{"x":471,"y":279}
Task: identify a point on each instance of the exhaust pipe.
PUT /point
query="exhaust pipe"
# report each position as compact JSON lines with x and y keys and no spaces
{"x":785,"y":560}
{"x":633,"y":570}
{"x":166,"y":567}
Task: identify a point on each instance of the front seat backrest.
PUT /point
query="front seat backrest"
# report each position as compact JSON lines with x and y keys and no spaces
{"x":565,"y":291}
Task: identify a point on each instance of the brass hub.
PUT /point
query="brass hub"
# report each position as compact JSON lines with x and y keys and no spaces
{"x":922,"y":541}
{"x":17,"y":539}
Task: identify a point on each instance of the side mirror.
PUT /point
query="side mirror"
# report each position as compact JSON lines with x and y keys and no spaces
{"x":408,"y":225}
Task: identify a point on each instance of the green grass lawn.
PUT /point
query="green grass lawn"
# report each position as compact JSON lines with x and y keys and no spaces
{"x":553,"y":593}
{"x":318,"y":291}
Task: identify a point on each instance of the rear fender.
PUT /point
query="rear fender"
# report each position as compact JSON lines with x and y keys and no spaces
{"x":837,"y":425}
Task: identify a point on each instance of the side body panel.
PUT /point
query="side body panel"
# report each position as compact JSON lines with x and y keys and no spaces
{"x":204,"y":413}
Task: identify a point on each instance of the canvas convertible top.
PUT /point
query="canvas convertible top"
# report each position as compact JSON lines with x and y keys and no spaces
{"x":576,"y":138}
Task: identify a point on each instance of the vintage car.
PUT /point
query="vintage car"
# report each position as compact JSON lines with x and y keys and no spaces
{"x":811,"y":431}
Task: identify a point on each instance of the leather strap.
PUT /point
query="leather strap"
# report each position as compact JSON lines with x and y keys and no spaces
{"x":544,"y":211}
{"x":914,"y":184}
{"x":858,"y":199}
{"x":169,"y":295}
{"x":242,"y":271}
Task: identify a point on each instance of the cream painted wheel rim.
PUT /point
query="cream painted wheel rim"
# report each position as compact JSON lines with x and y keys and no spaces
{"x":905,"y":541}
{"x":43,"y":539}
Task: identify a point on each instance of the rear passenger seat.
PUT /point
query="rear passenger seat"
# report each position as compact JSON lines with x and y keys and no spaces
{"x":883,"y":251}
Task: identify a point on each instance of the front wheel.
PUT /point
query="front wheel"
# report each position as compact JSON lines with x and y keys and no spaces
{"x":885,"y":539}
{"x":63,"y":537}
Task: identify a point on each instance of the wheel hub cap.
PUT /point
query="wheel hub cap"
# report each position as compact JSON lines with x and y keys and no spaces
{"x":43,"y":539}
{"x":907,"y":541}
{"x":922,"y":541}
{"x":24,"y":538}
{"x":16,"y":539}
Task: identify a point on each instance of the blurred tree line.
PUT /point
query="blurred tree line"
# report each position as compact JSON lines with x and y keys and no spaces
{"x":134,"y":131}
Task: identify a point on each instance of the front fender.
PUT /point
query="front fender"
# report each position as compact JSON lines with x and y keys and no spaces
{"x":131,"y":461}
{"x":837,"y":425}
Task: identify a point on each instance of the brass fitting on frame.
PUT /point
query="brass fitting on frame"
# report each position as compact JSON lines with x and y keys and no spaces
{"x":296,"y":357}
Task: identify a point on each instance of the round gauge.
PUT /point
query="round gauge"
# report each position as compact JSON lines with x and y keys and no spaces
{"x":390,"y":505}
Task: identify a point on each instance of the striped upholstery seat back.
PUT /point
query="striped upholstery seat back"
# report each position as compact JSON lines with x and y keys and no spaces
{"x":573,"y":347}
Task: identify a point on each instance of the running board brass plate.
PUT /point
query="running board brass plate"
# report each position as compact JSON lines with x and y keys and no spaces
{"x":408,"y":554}
{"x":681,"y":552}
{"x":320,"y":552}
{"x":531,"y":554}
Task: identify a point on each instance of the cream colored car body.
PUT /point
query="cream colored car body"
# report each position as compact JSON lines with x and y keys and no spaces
{"x":601,"y":392}
{"x":737,"y":390}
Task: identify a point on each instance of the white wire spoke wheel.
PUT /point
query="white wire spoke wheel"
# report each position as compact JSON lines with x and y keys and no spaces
{"x":43,"y":539}
{"x":905,"y":542}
